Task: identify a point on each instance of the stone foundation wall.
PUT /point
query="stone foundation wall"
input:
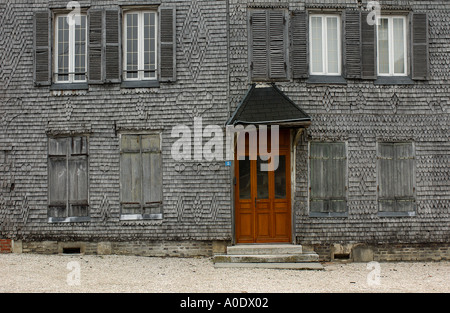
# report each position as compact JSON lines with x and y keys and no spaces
{"x":382,"y":253}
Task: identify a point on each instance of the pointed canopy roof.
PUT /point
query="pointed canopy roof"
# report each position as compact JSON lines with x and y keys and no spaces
{"x":268,"y":105}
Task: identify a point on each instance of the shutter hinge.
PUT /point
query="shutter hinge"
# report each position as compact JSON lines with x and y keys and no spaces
{"x":234,"y":180}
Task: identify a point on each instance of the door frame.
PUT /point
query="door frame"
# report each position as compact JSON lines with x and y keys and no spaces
{"x":294,"y":135}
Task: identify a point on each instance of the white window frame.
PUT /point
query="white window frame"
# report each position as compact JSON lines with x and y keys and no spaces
{"x":325,"y":46}
{"x":140,"y":69}
{"x":71,"y":74}
{"x":390,"y":19}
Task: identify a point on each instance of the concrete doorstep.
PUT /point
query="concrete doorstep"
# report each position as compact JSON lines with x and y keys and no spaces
{"x":268,"y":256}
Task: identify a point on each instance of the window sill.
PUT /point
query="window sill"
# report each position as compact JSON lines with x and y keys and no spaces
{"x":69,"y":86}
{"x":396,"y":214}
{"x":328,"y":214}
{"x":324,"y":79}
{"x":74,"y":219}
{"x":140,"y":217}
{"x":140,"y":84}
{"x":393,"y":80}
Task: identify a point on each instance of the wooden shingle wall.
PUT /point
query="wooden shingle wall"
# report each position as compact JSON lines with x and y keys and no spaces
{"x":197,"y":195}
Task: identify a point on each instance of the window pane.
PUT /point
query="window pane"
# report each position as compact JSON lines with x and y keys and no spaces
{"x":383,"y":46}
{"x":63,"y":48}
{"x":132,"y":45}
{"x":80,"y":49}
{"x":316,"y":44}
{"x":244,"y":178}
{"x":332,"y":44}
{"x":149,"y":44}
{"x":399,"y":46}
{"x":280,"y":178}
{"x":262,"y":181}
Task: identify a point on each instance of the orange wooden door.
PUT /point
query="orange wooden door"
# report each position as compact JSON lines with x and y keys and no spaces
{"x":263,"y":206}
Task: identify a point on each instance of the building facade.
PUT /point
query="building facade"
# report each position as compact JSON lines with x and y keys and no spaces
{"x":108,"y":109}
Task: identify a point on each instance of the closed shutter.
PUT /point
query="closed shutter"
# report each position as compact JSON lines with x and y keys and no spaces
{"x":299,"y":31}
{"x":277,"y":48}
{"x":112,"y":46}
{"x":420,"y":59}
{"x":328,"y":165}
{"x":259,"y":45}
{"x":95,"y":46}
{"x":42,"y":48}
{"x":396,"y":189}
{"x":368,"y":49}
{"x":352,"y":44}
{"x":167,"y":47}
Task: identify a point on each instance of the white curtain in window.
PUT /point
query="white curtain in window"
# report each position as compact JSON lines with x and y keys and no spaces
{"x":332,"y":45}
{"x":316,"y":44}
{"x":399,"y":46}
{"x":383,"y":46}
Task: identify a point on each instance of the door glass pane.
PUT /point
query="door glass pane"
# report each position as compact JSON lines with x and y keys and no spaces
{"x":262,"y":181}
{"x":244,"y":179}
{"x":399,"y":46}
{"x":280,"y":178}
{"x":383,"y":46}
{"x":332,"y":44}
{"x":316,"y":42}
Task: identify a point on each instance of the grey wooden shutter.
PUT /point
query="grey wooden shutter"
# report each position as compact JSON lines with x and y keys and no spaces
{"x":352,"y":44}
{"x":167,"y":45}
{"x":42,"y":48}
{"x":420,"y":59}
{"x":299,"y":34}
{"x":277,"y":44}
{"x":328,"y":165}
{"x":368,"y":49}
{"x":95,"y":46}
{"x":396,"y":183}
{"x":404,"y":171}
{"x":259,"y":45}
{"x":152,"y":174}
{"x":112,"y":46}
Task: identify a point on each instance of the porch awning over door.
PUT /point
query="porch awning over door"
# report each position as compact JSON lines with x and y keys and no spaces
{"x":268,"y":105}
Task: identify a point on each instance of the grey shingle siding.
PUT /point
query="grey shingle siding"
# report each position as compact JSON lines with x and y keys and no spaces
{"x":197,"y":195}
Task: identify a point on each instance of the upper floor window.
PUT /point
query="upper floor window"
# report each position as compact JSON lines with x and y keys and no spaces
{"x":140,"y":53}
{"x":391,"y":39}
{"x":70,"y":49}
{"x":325,"y":44}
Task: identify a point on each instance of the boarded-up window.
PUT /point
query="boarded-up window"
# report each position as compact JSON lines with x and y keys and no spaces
{"x":328,"y":184}
{"x":140,"y":176}
{"x":68,"y":177}
{"x":396,"y":182}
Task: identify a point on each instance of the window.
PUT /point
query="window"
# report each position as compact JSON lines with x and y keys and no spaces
{"x":140,"y":53}
{"x":396,"y":182}
{"x":391,"y":38}
{"x":68,"y":178}
{"x":140,"y":176}
{"x":70,"y":49}
{"x":328,"y":167}
{"x":325,"y":44}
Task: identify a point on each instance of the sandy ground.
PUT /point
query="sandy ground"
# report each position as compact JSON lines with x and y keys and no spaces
{"x":119,"y":274}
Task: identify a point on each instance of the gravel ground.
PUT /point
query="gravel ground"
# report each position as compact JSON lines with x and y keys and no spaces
{"x":119,"y":274}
